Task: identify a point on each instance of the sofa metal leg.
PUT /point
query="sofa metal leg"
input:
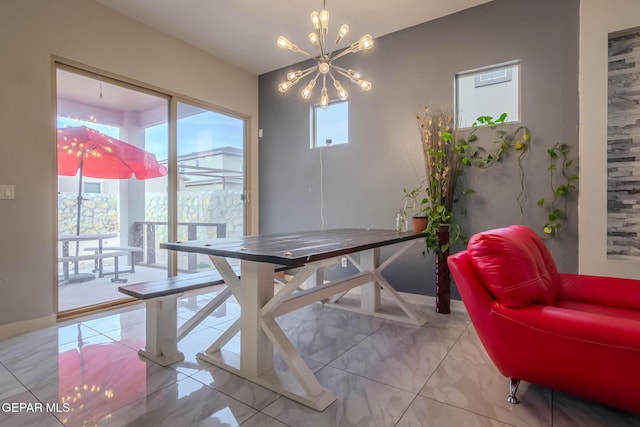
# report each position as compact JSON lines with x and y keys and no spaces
{"x":513,"y":388}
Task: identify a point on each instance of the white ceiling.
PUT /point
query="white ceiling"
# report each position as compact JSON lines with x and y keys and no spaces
{"x":244,"y":32}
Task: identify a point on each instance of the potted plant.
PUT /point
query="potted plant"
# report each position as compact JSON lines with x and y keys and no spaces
{"x":442,"y":166}
{"x":414,"y":199}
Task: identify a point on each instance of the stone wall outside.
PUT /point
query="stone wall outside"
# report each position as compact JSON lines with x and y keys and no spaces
{"x":100,"y":212}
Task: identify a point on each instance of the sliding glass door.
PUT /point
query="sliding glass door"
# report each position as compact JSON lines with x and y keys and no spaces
{"x":210,"y":148}
{"x":115,"y":172}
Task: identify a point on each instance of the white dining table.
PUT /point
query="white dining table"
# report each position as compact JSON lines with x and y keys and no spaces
{"x":308,"y":253}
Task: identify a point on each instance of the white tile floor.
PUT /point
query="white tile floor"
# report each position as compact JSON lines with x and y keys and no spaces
{"x":383,"y":374}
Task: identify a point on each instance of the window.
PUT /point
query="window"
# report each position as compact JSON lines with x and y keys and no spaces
{"x":92,"y":187}
{"x":330,"y":126}
{"x":489,"y":91}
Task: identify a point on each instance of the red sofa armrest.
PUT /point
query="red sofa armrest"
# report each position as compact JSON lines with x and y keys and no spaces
{"x":598,"y":329}
{"x":607,"y":291}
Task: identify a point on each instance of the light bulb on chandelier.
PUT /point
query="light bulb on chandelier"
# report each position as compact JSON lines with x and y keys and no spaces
{"x":324,"y":62}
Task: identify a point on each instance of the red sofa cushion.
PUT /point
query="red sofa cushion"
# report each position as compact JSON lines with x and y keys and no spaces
{"x":515,"y":266}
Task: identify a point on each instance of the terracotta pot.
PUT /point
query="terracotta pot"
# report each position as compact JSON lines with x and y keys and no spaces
{"x":419,"y":223}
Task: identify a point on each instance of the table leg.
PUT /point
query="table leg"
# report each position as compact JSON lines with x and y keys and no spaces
{"x":260,"y":333}
{"x":370,"y":293}
{"x":257,"y":351}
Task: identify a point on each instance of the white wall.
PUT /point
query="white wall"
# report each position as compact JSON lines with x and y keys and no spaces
{"x":598,"y":18}
{"x":31,"y":31}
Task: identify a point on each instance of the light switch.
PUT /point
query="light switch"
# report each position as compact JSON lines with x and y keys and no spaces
{"x":7,"y":192}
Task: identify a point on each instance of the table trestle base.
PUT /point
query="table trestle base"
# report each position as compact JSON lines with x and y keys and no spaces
{"x":260,"y":333}
{"x":283,"y":383}
{"x":370,"y":296}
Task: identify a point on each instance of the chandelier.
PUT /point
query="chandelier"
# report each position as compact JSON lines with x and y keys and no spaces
{"x":324,"y":61}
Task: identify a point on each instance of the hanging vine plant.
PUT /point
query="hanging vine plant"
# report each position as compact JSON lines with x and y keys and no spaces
{"x":557,"y":206}
{"x":517,"y":140}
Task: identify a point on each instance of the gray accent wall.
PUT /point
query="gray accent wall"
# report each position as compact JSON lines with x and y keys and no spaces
{"x":362,"y":181}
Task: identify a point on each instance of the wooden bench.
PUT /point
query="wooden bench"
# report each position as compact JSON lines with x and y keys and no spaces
{"x":96,"y":256}
{"x":161,"y":298}
{"x":130,"y":249}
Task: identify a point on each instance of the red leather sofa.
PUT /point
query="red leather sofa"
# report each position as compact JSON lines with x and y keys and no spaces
{"x":575,"y":333}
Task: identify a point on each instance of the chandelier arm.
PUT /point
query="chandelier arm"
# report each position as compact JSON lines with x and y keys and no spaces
{"x":322,"y":45}
{"x":339,"y":70}
{"x":343,"y":53}
{"x":305,"y":53}
{"x":306,"y":72}
{"x":316,"y":77}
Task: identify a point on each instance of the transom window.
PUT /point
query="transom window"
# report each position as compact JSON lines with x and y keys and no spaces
{"x":488,"y":91}
{"x":330,"y":126}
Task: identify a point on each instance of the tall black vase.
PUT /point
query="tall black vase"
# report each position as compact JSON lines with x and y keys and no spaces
{"x":443,"y":279}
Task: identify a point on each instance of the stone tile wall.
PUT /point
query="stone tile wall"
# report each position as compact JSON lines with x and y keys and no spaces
{"x":623,"y":146}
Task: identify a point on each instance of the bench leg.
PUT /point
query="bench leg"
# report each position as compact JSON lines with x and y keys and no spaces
{"x":162,"y":331}
{"x":132,"y":261}
{"x":117,"y":272}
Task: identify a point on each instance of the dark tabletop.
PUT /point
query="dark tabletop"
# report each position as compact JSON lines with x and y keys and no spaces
{"x":295,"y":249}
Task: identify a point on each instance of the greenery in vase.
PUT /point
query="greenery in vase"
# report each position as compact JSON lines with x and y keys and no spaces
{"x":443,"y":166}
{"x":446,"y":149}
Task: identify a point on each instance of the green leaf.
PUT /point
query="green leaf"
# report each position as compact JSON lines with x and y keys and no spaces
{"x":446,"y":136}
{"x":541,"y":202}
{"x":552,"y":153}
{"x":502,"y":118}
{"x":547,"y":229}
{"x":465,"y":161}
{"x":568,"y":164}
{"x":472,"y":138}
{"x":552,"y":217}
{"x":561,"y":190}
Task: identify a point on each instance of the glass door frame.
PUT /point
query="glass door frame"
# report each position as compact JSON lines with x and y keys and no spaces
{"x":250,"y":214}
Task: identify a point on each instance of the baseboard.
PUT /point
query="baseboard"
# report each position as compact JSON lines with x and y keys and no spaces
{"x":427,"y":300}
{"x":17,"y":328}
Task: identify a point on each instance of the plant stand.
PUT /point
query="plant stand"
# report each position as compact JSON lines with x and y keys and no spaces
{"x":443,"y":280}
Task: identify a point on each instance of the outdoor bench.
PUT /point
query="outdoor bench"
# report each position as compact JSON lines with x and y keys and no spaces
{"x":130,"y":249}
{"x":96,"y":256}
{"x":161,"y":298}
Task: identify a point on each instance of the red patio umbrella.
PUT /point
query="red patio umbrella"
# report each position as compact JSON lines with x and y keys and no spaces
{"x":96,"y":155}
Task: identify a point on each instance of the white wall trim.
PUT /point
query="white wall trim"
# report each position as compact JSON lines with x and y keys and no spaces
{"x":456,"y":305}
{"x":597,"y":20}
{"x":17,"y":328}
